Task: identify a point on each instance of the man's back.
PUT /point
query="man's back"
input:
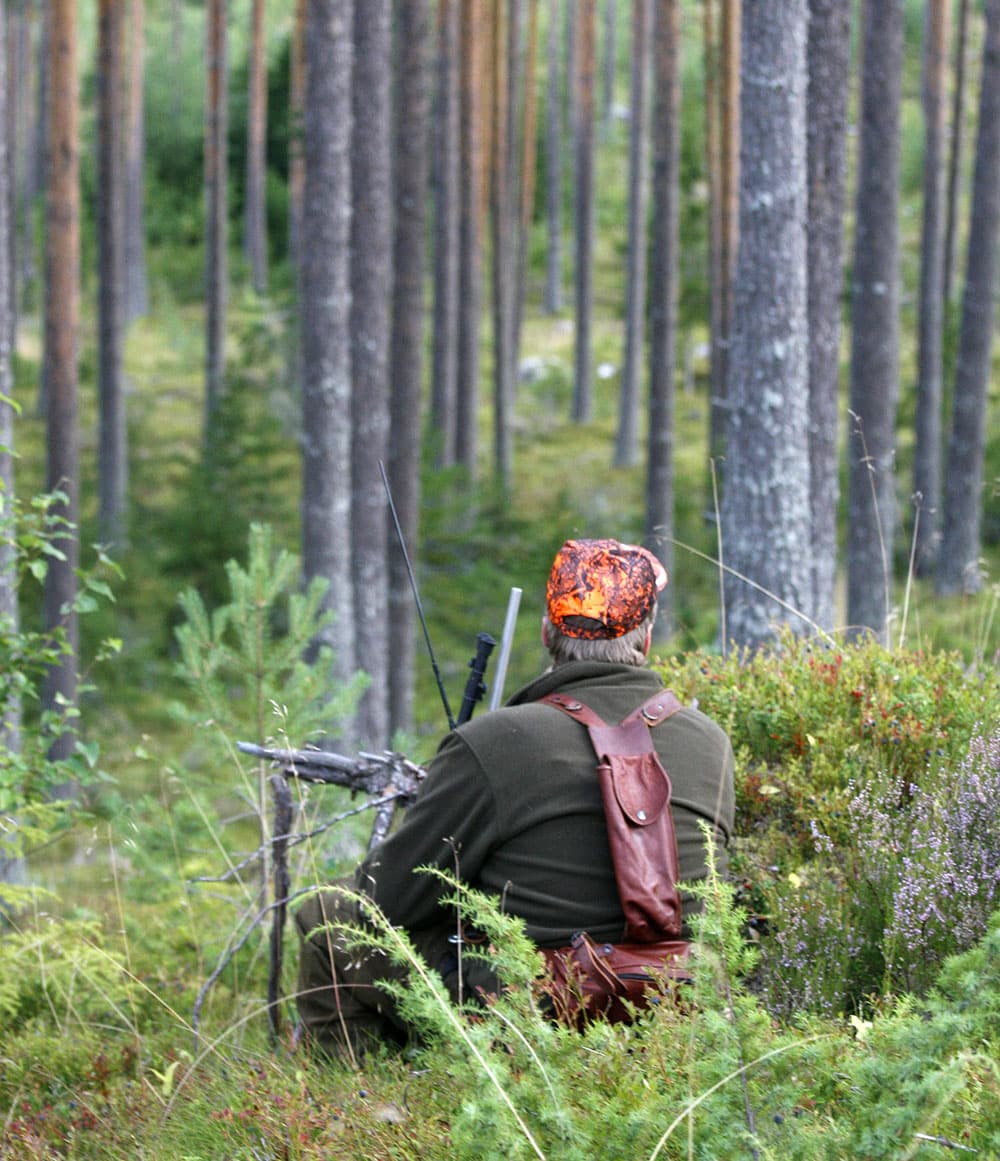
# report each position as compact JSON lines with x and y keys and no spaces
{"x":517,"y":792}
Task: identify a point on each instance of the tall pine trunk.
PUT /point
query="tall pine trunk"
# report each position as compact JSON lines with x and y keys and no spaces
{"x":412,"y":111}
{"x":296,"y":152}
{"x":528,"y":174}
{"x":9,"y":618}
{"x":470,"y":241}
{"x":325,"y":317}
{"x":961,"y":543}
{"x":62,"y":336}
{"x":553,"y":165}
{"x":447,"y":221}
{"x":955,"y":148}
{"x":829,"y":79}
{"x":765,"y":511}
{"x":875,"y":325}
{"x":113,"y":447}
{"x":371,"y":289}
{"x":663,"y":290}
{"x":255,"y":205}
{"x":136,"y":276}
{"x":12,"y":870}
{"x":583,"y":385}
{"x":627,"y":442}
{"x":726,"y":214}
{"x":216,"y":218}
{"x":927,"y":451}
{"x":504,"y":247}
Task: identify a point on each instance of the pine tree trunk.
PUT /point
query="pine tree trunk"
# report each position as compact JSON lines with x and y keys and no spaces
{"x":113,"y":450}
{"x":9,"y":613}
{"x":583,"y":386}
{"x":765,"y":511}
{"x":627,"y":442}
{"x":255,"y":206}
{"x":927,"y":451}
{"x":412,"y":114}
{"x":955,"y":149}
{"x":216,"y":220}
{"x":529,"y":165}
{"x":470,"y":242}
{"x":12,"y":870}
{"x":136,"y":278}
{"x":610,"y":62}
{"x":829,"y":80}
{"x":503,"y":250}
{"x":713,"y":174}
{"x":447,"y":220}
{"x":663,"y":290}
{"x":875,"y":330}
{"x":553,"y":166}
{"x":296,"y":153}
{"x":62,"y":335}
{"x":371,"y":290}
{"x":18,"y":64}
{"x":961,"y":543}
{"x":325,"y":314}
{"x":727,"y":219}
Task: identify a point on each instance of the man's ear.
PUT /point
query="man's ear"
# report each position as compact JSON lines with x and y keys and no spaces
{"x":545,"y":631}
{"x":649,"y":640}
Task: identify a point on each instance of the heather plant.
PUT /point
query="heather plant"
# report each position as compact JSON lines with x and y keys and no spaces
{"x":949,"y":877}
{"x":913,"y":878}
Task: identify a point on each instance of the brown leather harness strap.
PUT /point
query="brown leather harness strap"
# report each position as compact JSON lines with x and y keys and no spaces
{"x":636,"y":793}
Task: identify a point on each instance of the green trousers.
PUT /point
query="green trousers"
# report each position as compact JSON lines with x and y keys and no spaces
{"x":339,"y":999}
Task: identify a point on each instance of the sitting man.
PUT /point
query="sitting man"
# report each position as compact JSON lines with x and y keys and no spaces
{"x":514,"y":797}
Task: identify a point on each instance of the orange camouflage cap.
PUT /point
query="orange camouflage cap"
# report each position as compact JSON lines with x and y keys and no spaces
{"x":602,"y":588}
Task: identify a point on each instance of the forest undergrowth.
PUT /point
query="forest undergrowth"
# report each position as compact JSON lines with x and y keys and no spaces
{"x":845,"y":999}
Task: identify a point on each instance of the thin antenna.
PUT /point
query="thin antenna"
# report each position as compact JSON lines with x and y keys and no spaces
{"x":416,"y":597}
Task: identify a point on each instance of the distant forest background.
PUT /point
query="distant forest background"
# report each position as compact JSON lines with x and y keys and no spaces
{"x":716,"y":277}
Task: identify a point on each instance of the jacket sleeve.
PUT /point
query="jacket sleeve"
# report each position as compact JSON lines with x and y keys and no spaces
{"x":451,"y":823}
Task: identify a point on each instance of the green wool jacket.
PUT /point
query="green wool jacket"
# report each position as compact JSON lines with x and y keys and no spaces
{"x":516,"y":792}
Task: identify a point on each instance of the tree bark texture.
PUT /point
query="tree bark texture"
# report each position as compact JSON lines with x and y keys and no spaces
{"x":12,"y":870}
{"x":829,"y":53}
{"x":136,"y":276}
{"x":583,"y":385}
{"x":957,"y":138}
{"x":504,"y":249}
{"x":528,"y":175}
{"x":470,"y":288}
{"x":22,"y":166}
{"x":412,"y":113}
{"x":875,"y":325}
{"x":447,"y":220}
{"x":959,"y":566}
{"x":216,"y":218}
{"x":255,"y":205}
{"x":113,"y":446}
{"x":371,"y":290}
{"x":553,"y":165}
{"x":713,"y":172}
{"x":62,"y":335}
{"x":765,"y":511}
{"x":9,"y":613}
{"x":296,"y":153}
{"x":627,"y":441}
{"x":325,"y":314}
{"x":663,"y":291}
{"x":610,"y":62}
{"x":727,"y":85}
{"x":928,"y":451}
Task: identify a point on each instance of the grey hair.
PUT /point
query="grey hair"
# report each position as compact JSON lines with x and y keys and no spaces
{"x":628,"y":649}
